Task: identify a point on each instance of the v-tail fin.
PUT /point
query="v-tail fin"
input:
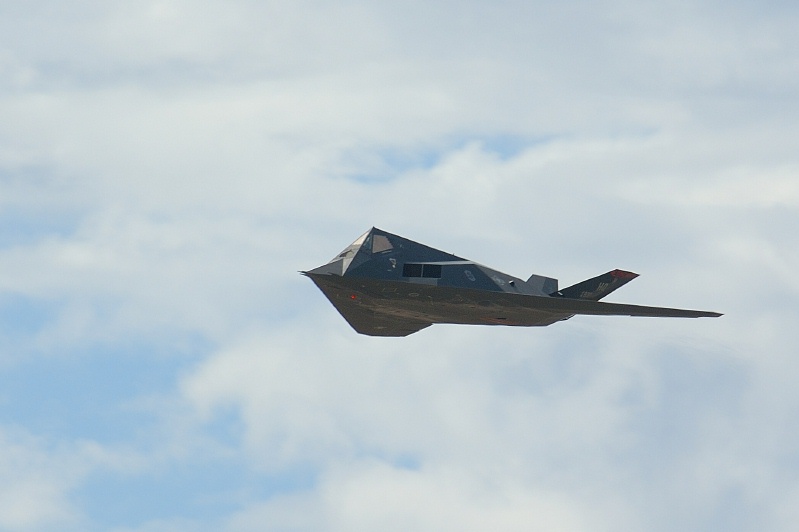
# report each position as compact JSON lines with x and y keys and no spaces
{"x":598,"y":287}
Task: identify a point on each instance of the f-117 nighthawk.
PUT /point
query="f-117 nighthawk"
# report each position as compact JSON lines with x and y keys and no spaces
{"x":387,"y":285}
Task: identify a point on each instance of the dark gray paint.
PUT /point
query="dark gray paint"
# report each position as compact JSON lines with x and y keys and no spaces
{"x":370,"y":292}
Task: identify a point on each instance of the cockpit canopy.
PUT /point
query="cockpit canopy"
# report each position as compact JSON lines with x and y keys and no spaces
{"x":369,"y":242}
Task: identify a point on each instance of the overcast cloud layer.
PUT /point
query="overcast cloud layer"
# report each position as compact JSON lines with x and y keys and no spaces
{"x":167,"y":167}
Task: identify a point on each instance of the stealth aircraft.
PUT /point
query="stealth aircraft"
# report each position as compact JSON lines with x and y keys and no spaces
{"x":387,"y":285}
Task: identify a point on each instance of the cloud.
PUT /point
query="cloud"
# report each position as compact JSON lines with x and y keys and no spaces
{"x":507,"y":414}
{"x":167,"y":167}
{"x":369,"y":496}
{"x":39,"y":478}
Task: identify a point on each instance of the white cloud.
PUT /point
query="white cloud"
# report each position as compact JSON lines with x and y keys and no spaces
{"x":529,"y":433}
{"x":37,"y":479}
{"x":373,"y":496}
{"x":191,"y":156}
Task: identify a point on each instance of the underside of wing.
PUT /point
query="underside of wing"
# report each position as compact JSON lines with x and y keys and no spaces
{"x":372,"y":323}
{"x":597,"y":308}
{"x":364,"y":320}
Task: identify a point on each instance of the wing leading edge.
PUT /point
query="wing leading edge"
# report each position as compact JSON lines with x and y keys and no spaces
{"x":387,"y":285}
{"x":364,"y":320}
{"x":598,"y":308}
{"x":368,"y":308}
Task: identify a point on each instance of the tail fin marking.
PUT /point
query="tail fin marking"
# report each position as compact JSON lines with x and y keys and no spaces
{"x":598,"y":287}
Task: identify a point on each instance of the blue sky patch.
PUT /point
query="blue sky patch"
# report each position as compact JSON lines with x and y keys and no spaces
{"x":89,"y":393}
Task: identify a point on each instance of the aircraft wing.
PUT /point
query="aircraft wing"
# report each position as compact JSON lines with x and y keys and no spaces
{"x":389,"y":308}
{"x":364,"y":320}
{"x":598,"y":308}
{"x":372,"y":323}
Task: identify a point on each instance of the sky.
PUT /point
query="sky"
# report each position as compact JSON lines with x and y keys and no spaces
{"x":167,"y":167}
